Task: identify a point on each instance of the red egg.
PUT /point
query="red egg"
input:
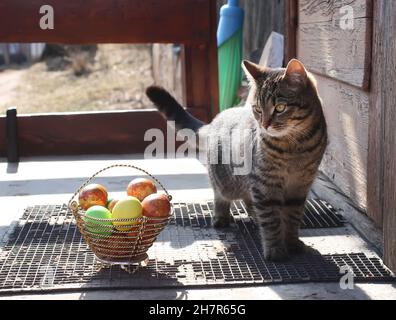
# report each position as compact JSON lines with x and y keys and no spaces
{"x":141,"y":188}
{"x":92,"y":195}
{"x":156,"y":205}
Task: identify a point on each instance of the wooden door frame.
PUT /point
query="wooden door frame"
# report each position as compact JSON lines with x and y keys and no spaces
{"x":114,"y":21}
{"x":375,"y":161}
{"x":382,"y":132}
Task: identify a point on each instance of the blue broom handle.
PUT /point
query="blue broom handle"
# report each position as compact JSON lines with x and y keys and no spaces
{"x":231,"y":21}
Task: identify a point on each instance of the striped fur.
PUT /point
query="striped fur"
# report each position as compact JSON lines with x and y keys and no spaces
{"x":287,"y":150}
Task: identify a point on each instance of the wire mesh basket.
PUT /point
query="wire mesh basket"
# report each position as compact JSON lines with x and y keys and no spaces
{"x":126,"y":245}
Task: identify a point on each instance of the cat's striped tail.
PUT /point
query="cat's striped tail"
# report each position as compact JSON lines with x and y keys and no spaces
{"x":172,"y":110}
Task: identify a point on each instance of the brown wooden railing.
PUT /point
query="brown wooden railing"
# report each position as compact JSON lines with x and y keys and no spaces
{"x":192,"y":23}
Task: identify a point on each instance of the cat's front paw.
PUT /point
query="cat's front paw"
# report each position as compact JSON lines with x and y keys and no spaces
{"x":276,"y":254}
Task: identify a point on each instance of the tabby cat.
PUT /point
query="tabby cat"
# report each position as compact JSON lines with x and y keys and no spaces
{"x":284,"y":113}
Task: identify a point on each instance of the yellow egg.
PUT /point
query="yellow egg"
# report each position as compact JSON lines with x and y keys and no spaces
{"x":127,"y":208}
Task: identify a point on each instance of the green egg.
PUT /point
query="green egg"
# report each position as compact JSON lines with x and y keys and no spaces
{"x":98,"y":227}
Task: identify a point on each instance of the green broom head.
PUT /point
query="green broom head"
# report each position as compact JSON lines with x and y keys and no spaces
{"x":230,"y":40}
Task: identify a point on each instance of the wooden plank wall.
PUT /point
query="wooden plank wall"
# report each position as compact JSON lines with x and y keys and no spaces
{"x":345,"y":162}
{"x":261,"y":18}
{"x":376,"y":160}
{"x":330,"y":49}
{"x":340,"y":60}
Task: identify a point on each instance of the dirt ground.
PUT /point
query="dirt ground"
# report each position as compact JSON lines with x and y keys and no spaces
{"x":117,"y":78}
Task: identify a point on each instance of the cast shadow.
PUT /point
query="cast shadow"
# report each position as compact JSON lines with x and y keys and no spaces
{"x":12,"y":167}
{"x":114,"y":283}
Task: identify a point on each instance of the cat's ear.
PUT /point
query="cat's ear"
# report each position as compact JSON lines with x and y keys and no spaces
{"x":253,"y":71}
{"x":296,"y":72}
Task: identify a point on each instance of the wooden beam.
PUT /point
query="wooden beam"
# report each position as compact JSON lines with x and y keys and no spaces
{"x":6,"y":53}
{"x":84,"y":133}
{"x":200,"y":71}
{"x":375,"y":160}
{"x":107,"y":21}
{"x":387,"y":64}
{"x":291,"y":25}
{"x":214,"y":106}
{"x":12,"y":135}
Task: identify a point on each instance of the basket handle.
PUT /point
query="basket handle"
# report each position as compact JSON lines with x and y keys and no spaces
{"x":73,"y":205}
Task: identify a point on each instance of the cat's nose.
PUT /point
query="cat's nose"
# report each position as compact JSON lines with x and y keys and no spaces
{"x":265,"y":121}
{"x":265,"y":124}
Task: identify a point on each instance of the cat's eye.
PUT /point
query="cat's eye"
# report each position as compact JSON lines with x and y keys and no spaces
{"x":257,"y":109}
{"x":280,"y":108}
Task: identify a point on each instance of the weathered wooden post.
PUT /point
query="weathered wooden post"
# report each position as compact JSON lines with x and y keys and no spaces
{"x":6,"y":53}
{"x":12,"y":135}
